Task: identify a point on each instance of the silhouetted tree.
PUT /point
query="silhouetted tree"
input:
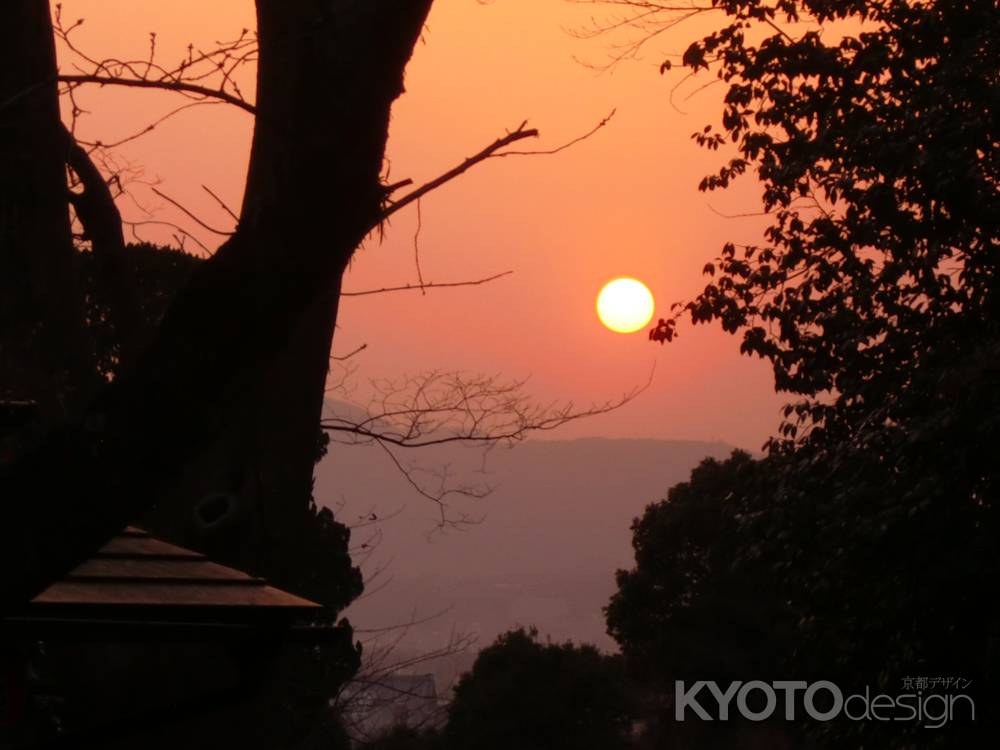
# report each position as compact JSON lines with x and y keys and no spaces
{"x":209,"y":376}
{"x":526,"y":694}
{"x":877,"y":156}
{"x":693,"y":609}
{"x":683,"y":612}
{"x":313,"y":193}
{"x":43,"y":349}
{"x":227,"y":394}
{"x":874,"y":298}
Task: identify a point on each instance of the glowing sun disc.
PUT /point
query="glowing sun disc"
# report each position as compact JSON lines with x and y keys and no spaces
{"x":625,"y":305}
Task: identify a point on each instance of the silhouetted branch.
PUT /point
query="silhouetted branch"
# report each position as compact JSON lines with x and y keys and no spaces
{"x":519,"y":134}
{"x":394,"y":186}
{"x":568,"y":144}
{"x":649,"y":19}
{"x":94,"y":205}
{"x":374,"y":686}
{"x":344,"y":357}
{"x":191,"y":215}
{"x":222,"y":203}
{"x":438,"y":408}
{"x":416,"y":249}
{"x":189,"y":77}
{"x":148,"y":128}
{"x":177,"y":86}
{"x":427,"y":285}
{"x":493,"y":151}
{"x":441,"y":408}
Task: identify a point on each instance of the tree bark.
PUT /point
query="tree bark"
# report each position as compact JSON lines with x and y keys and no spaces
{"x":329,"y":71}
{"x":44,"y":352}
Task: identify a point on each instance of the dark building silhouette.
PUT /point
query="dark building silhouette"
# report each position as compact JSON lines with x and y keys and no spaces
{"x":144,"y":642}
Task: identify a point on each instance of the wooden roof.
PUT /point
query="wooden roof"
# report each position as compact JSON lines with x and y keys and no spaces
{"x":136,"y":575}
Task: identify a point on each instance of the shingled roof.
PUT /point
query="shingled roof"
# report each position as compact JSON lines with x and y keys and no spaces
{"x":136,"y":577}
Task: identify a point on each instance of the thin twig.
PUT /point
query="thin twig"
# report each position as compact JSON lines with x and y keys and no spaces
{"x":429,"y":285}
{"x":392,"y":187}
{"x":746,"y":215}
{"x":191,"y":215}
{"x":343,"y":357}
{"x":568,"y":144}
{"x":416,"y":250}
{"x":148,"y":129}
{"x":222,"y":203}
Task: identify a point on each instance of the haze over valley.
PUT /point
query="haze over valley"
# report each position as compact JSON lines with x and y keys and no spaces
{"x":543,"y":545}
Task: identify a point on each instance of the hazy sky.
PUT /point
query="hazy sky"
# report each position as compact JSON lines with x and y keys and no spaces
{"x":625,"y":202}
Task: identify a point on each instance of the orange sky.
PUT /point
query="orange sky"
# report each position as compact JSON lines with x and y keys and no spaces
{"x":622,"y":203}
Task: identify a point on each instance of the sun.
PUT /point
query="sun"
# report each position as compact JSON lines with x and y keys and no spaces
{"x":625,"y":305}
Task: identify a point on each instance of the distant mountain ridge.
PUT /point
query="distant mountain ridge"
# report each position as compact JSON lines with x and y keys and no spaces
{"x":554,"y":530}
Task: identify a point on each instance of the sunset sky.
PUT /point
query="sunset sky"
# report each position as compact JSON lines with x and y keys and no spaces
{"x":624,"y":202}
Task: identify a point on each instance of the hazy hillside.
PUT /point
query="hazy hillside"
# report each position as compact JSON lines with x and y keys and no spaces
{"x":553,"y":532}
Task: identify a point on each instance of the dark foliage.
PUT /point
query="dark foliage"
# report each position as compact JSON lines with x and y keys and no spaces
{"x":877,"y":152}
{"x":307,"y":548}
{"x":158,"y":272}
{"x":684,"y":612}
{"x":405,"y":738}
{"x":540,"y":696}
{"x":260,"y":312}
{"x":874,"y":298}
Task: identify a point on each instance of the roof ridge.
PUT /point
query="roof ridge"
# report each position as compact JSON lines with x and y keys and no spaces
{"x":182,"y":555}
{"x":126,"y":578}
{"x":144,"y":580}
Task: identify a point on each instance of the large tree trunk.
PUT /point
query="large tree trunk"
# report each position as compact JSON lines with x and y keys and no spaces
{"x":245,"y":501}
{"x":329,"y":72}
{"x":304,"y":175}
{"x":44,"y":352}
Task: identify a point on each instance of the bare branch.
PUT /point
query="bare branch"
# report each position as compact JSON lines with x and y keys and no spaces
{"x":648,"y":21}
{"x":434,"y":409}
{"x":568,"y":144}
{"x":191,"y":215}
{"x":438,"y":494}
{"x":438,"y":408}
{"x":345,"y":357}
{"x":385,"y":681}
{"x":148,"y":128}
{"x":392,"y":187}
{"x":490,"y":151}
{"x":427,"y":285}
{"x":176,"y":86}
{"x":416,"y":249}
{"x":207,"y":76}
{"x":222,"y":203}
{"x":493,"y":151}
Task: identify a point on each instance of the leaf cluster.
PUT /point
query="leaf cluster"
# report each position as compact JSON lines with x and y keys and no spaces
{"x":875,"y":143}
